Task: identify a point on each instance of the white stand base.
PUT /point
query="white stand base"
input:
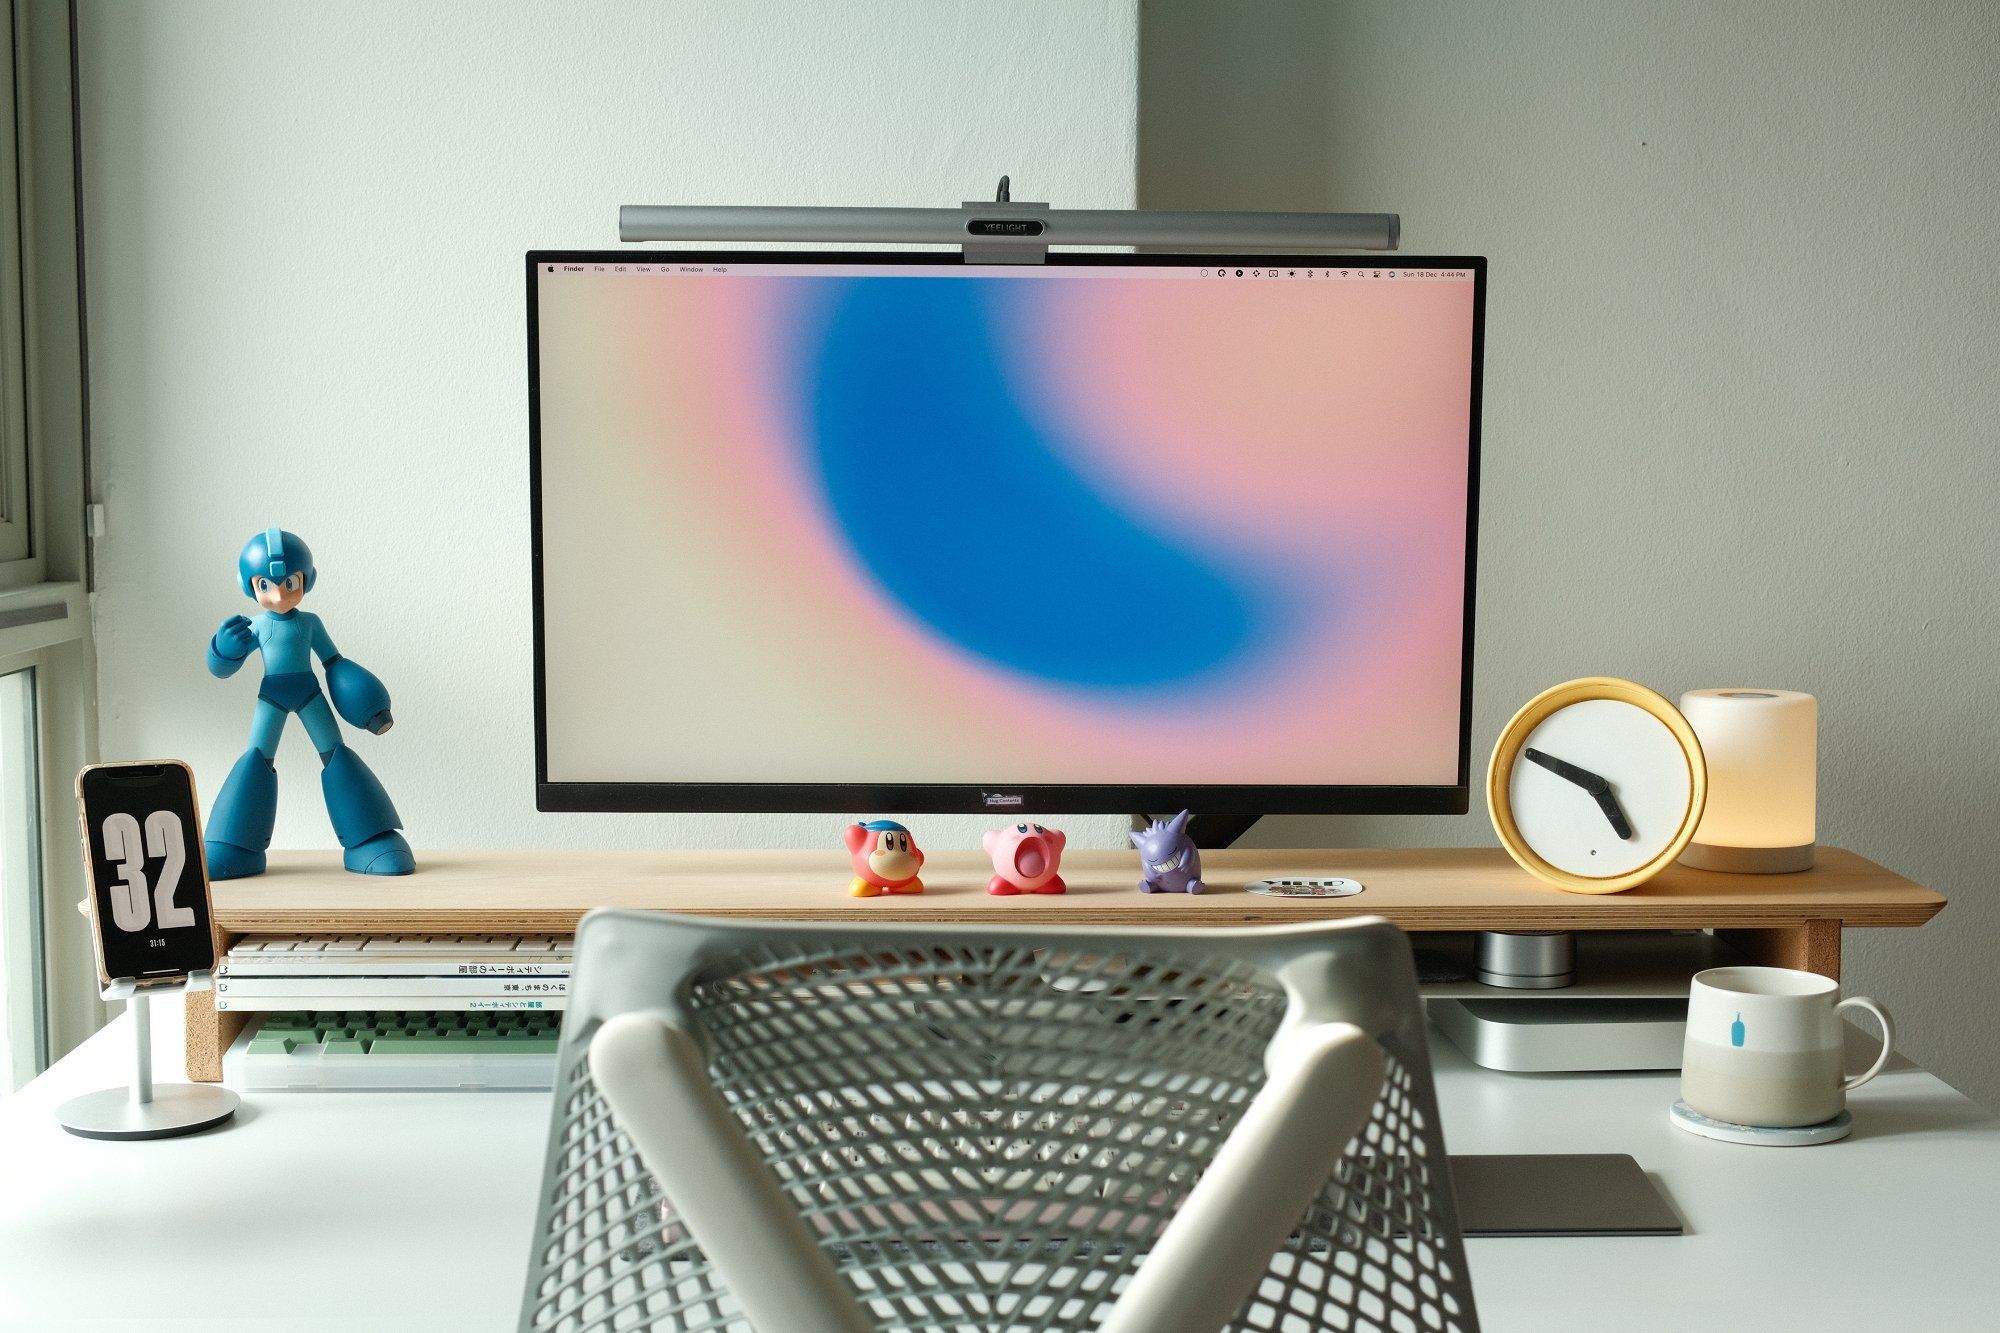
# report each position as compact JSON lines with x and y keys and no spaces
{"x":176,"y":1108}
{"x":1797,"y":1136}
{"x":143,"y":1111}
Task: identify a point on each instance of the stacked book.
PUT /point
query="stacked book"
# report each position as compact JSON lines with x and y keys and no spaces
{"x":393,"y":972}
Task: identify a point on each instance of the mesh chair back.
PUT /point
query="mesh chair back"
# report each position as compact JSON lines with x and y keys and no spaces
{"x":987,"y":1128}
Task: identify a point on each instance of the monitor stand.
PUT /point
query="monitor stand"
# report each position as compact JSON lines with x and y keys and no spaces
{"x":1208,"y":831}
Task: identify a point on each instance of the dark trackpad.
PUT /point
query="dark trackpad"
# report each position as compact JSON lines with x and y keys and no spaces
{"x":1559,"y":1194}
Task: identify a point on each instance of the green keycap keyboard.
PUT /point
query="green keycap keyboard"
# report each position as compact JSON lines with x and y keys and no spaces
{"x":403,"y":1051}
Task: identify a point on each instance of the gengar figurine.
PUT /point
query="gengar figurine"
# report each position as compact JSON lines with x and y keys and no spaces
{"x":886,"y":858}
{"x":276,"y":571}
{"x":1168,"y":859}
{"x":1025,"y":858}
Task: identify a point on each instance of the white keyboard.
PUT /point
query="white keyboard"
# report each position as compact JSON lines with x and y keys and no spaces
{"x":395,"y":973}
{"x":381,"y":945}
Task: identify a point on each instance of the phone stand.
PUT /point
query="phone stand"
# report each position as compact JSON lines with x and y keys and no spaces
{"x":144,"y":1111}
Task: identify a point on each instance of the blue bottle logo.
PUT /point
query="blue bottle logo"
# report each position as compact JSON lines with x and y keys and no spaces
{"x":1736,"y":1031}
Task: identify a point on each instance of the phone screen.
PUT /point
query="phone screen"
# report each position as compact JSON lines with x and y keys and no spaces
{"x":143,"y":845}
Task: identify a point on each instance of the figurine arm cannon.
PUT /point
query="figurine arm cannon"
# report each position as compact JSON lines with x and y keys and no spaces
{"x":360,"y":699}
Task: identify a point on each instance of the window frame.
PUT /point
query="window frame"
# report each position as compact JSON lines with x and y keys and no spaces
{"x":19,"y":563}
{"x":44,"y":602}
{"x":22,"y":962}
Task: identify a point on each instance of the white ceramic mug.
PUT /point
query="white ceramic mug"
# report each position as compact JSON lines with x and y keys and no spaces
{"x":1764,"y":1046}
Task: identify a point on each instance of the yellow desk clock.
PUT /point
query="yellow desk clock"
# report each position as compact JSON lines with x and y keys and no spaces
{"x":1596,"y":785}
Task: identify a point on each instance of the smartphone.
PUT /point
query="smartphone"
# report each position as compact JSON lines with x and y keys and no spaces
{"x":149,"y":905}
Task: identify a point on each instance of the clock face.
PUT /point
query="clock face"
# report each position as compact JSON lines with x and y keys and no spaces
{"x":1600,"y":788}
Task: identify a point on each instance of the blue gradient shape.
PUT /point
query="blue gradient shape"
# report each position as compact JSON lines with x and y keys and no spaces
{"x":966,"y":512}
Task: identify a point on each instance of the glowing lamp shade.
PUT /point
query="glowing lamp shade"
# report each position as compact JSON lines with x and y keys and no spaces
{"x":1762,"y":748}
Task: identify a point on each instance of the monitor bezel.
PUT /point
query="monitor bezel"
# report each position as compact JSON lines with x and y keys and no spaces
{"x":990,"y":798}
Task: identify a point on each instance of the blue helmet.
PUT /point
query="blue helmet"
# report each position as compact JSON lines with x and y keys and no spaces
{"x":276,"y":555}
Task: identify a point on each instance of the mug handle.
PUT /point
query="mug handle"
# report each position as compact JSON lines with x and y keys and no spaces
{"x":1888,"y":1039}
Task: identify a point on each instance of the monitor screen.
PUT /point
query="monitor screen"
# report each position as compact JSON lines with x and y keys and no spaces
{"x":877,"y":531}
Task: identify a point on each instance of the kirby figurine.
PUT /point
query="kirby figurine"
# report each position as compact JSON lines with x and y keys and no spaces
{"x":1168,"y":859}
{"x":1025,"y":858}
{"x":886,"y":858}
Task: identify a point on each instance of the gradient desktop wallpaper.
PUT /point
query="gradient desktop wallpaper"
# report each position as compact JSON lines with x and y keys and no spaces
{"x":851,"y":523}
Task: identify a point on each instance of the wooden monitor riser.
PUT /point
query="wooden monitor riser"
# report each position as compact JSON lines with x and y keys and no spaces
{"x":1789,"y":920}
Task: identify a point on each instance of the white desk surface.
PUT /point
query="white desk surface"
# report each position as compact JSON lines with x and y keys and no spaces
{"x":412,"y":1211}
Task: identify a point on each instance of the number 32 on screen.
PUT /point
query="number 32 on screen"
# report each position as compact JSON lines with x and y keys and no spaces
{"x":132,"y":907}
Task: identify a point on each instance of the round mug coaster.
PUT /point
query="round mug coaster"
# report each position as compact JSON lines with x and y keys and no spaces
{"x":1798,"y":1136}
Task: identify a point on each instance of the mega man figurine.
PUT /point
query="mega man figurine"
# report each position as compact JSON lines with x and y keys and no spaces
{"x":276,"y":571}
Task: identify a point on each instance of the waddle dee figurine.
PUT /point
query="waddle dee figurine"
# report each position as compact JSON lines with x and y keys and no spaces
{"x":276,"y":571}
{"x":1168,"y":859}
{"x":886,"y":858}
{"x":1025,"y":858}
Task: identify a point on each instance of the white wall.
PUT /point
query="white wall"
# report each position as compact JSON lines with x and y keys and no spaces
{"x":1741,"y":346}
{"x":305,"y":229}
{"x":1741,"y":372}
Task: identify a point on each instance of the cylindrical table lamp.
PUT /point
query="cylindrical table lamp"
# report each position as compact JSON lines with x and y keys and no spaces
{"x":1762,"y":748}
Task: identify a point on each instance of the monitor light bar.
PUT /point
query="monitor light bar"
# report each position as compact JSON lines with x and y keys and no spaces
{"x":1007,"y":232}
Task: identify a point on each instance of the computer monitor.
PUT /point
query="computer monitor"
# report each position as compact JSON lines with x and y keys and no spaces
{"x":868,"y":531}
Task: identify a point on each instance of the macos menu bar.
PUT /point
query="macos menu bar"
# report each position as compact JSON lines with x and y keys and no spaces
{"x":1335,"y":271}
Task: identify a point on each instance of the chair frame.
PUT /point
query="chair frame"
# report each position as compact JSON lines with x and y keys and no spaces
{"x":1348,"y":985}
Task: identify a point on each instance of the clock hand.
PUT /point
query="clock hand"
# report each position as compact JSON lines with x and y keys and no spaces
{"x":1596,"y":784}
{"x":1613,"y":812}
{"x":1567,"y":771}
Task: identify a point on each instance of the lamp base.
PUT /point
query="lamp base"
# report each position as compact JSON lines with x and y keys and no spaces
{"x":1748,"y":860}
